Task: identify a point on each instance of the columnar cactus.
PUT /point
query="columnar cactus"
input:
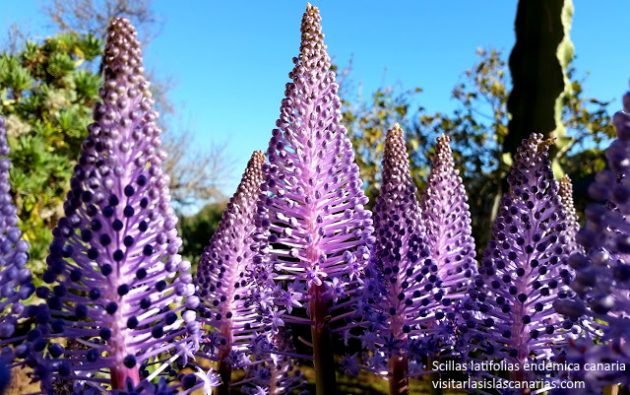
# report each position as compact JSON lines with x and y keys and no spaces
{"x":510,"y":312}
{"x":402,"y":289}
{"x":117,"y":286}
{"x":447,"y":224}
{"x":539,"y":67}
{"x":224,"y":276}
{"x":602,"y":279}
{"x":314,"y":229}
{"x":15,"y":278}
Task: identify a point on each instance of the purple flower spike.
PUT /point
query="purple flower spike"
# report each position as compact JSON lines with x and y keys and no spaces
{"x":314,"y":228}
{"x":118,"y":288}
{"x":446,"y":218}
{"x":15,"y":278}
{"x":565,"y":191}
{"x":403,"y":287}
{"x":510,"y":313}
{"x":602,"y":279}
{"x":224,"y":274}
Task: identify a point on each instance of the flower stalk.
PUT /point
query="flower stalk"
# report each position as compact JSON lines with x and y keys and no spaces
{"x":447,"y":224}
{"x":510,"y":314}
{"x":602,"y":280}
{"x":314,"y":233}
{"x":404,"y":303}
{"x":116,"y":284}
{"x":224,"y":281}
{"x":15,"y":277}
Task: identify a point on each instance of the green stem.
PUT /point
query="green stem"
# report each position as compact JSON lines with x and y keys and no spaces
{"x":435,"y":390}
{"x":225,"y":372}
{"x":323,"y":360}
{"x":398,"y":375}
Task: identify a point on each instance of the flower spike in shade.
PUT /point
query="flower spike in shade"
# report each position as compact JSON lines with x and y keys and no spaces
{"x":223,"y":275}
{"x":602,"y":279}
{"x":446,"y":219}
{"x":510,"y":313}
{"x":15,"y":278}
{"x":399,"y":268}
{"x":565,"y":191}
{"x":117,"y":285}
{"x":314,"y":228}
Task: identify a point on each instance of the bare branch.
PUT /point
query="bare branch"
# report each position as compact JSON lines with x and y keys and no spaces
{"x":15,"y":39}
{"x":196,"y":175}
{"x":159,"y":90}
{"x":92,"y":16}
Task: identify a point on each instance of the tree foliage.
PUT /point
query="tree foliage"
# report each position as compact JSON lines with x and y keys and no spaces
{"x":47,"y":92}
{"x":196,"y":230}
{"x":478,"y":129}
{"x":92,"y":16}
{"x":195,"y":174}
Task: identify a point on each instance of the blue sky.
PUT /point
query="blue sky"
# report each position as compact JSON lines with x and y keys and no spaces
{"x":229,"y":60}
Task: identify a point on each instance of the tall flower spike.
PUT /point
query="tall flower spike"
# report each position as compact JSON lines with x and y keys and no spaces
{"x":315,"y":230}
{"x":15,"y":278}
{"x":402,"y":285}
{"x":510,"y":312}
{"x":565,"y":191}
{"x":118,"y":287}
{"x":602,"y":279}
{"x":223,"y":275}
{"x":446,"y":218}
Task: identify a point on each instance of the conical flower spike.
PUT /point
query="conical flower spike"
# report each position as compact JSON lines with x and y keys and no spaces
{"x":602,"y":278}
{"x":565,"y":191}
{"x":223,"y":276}
{"x":118,"y":287}
{"x":446,"y":219}
{"x":15,"y":278}
{"x":315,"y":230}
{"x":403,"y":299}
{"x":510,"y":314}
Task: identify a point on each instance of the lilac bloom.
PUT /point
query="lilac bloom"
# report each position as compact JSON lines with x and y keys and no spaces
{"x":234,"y":298}
{"x":510,"y":314}
{"x":403,"y":298}
{"x":448,"y":237}
{"x":602,"y":279}
{"x":116,"y":286}
{"x":313,"y":223}
{"x":447,"y":225}
{"x":15,"y":278}
{"x":274,"y":369}
{"x":224,"y":274}
{"x":565,"y":191}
